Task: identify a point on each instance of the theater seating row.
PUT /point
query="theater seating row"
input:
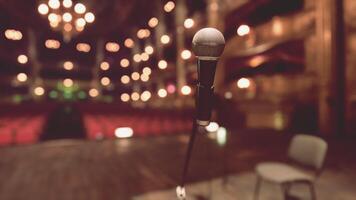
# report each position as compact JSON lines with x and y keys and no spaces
{"x":21,"y":130}
{"x":143,"y":124}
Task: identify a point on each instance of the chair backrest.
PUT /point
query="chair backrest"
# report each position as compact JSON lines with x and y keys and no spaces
{"x":308,"y":150}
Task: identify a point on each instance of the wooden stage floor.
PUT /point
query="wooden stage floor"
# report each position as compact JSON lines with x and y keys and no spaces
{"x":122,"y":169}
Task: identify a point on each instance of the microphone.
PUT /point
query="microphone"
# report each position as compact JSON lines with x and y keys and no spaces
{"x":208,"y":45}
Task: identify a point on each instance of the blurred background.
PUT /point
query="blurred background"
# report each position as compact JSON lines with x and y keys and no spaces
{"x":97,"y":97}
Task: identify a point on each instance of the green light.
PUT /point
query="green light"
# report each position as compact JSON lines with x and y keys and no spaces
{"x":53,"y":94}
{"x":17,"y":98}
{"x":82,"y":95}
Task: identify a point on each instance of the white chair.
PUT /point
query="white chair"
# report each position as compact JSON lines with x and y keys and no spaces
{"x":307,"y":154}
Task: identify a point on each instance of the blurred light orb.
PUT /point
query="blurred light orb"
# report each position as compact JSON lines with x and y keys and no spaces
{"x":149,"y":50}
{"x":147,"y":71}
{"x":53,"y":18}
{"x":80,"y":22}
{"x":125,"y":97}
{"x":125,"y":79}
{"x":67,"y":65}
{"x":104,"y":66}
{"x":79,"y":28}
{"x":162,"y":64}
{"x":12,"y":34}
{"x":129,"y":43}
{"x":135,"y":96}
{"x":67,"y":3}
{"x":67,"y":17}
{"x":22,"y":59}
{"x":188,"y":23}
{"x":43,"y":9}
{"x":80,"y":8}
{"x":137,"y":58}
{"x":144,"y":77}
{"x":171,"y":88}
{"x":186,"y":54}
{"x":83,"y":47}
{"x":112,"y":47}
{"x":169,"y":6}
{"x":124,"y":132}
{"x":143,"y":33}
{"x":135,"y":76}
{"x":221,"y":136}
{"x":93,"y":92}
{"x":243,"y":30}
{"x":212,"y":127}
{"x":162,"y":93}
{"x":228,"y":95}
{"x":52,"y":44}
{"x":145,"y":96}
{"x":243,"y":83}
{"x":186,"y":90}
{"x":68,"y":82}
{"x":89,"y":17}
{"x":39,"y":91}
{"x":165,"y":39}
{"x":124,"y":62}
{"x":105,"y":81}
{"x":54,"y":4}
{"x":144,"y":56}
{"x":153,"y":22}
{"x":68,"y":27}
{"x":21,"y":77}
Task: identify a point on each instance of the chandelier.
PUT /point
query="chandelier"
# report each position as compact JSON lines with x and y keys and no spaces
{"x":65,"y":17}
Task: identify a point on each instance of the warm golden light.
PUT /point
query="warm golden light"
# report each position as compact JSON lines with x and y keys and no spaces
{"x":39,"y":91}
{"x":93,"y":92}
{"x":137,"y":58}
{"x":124,"y":62}
{"x":112,"y":47}
{"x":68,"y":82}
{"x":21,"y":77}
{"x":169,"y":6}
{"x":125,"y":79}
{"x":147,"y":71}
{"x":144,"y":56}
{"x":135,"y":76}
{"x":83,"y":47}
{"x":165,"y":39}
{"x":80,"y":8}
{"x":129,"y":43}
{"x":67,"y":3}
{"x":149,"y":50}
{"x":135,"y":96}
{"x":186,"y":54}
{"x":67,"y":17}
{"x":277,"y":26}
{"x":89,"y":17}
{"x":105,"y":81}
{"x":54,"y":18}
{"x":80,"y":22}
{"x":12,"y":34}
{"x":54,"y":4}
{"x":68,"y":27}
{"x":186,"y":90}
{"x":68,"y":65}
{"x":243,"y":83}
{"x":153,"y":22}
{"x":243,"y":30}
{"x":145,"y":96}
{"x":162,"y":93}
{"x":162,"y":64}
{"x":125,"y":97}
{"x":144,"y":77}
{"x":188,"y":23}
{"x":22,"y":59}
{"x":43,"y":9}
{"x":52,"y":44}
{"x":104,"y":66}
{"x":257,"y":61}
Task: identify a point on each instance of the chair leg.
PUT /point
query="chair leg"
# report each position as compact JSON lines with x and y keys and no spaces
{"x":285,"y":190}
{"x":257,"y":188}
{"x":312,"y":191}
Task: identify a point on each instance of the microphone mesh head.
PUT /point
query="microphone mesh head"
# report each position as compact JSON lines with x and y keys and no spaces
{"x":208,"y":43}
